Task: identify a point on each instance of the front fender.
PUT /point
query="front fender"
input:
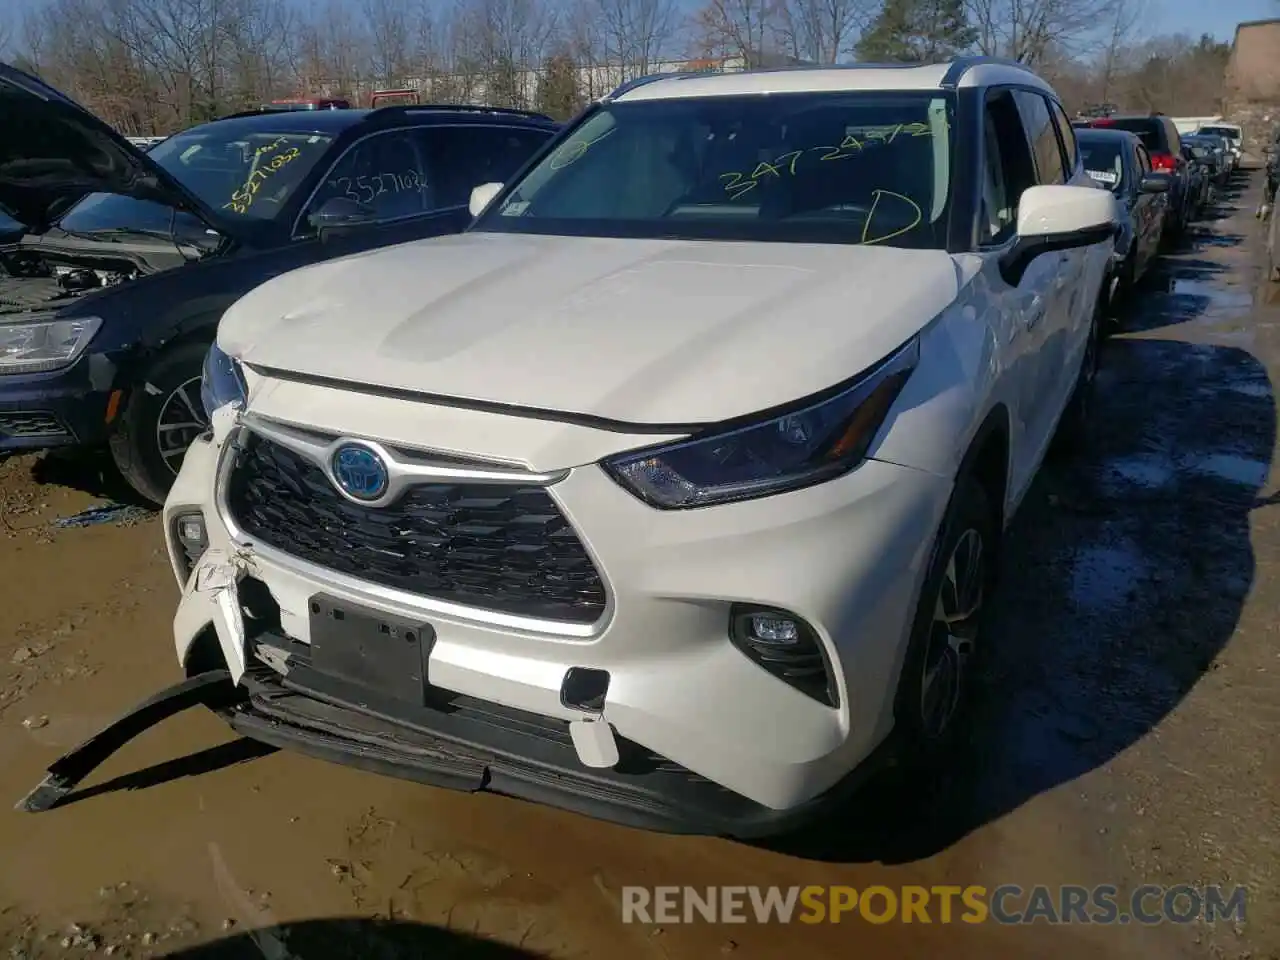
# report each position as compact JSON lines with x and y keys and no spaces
{"x":955,"y":385}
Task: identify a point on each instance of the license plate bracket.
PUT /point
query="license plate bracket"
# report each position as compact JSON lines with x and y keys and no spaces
{"x":380,"y":652}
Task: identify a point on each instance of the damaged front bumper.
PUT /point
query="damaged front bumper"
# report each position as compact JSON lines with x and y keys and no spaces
{"x":693,"y":737}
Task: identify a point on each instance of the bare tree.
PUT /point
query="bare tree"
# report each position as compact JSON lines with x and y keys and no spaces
{"x":507,"y":40}
{"x":1030,"y":31}
{"x":742,"y":29}
{"x":819,"y":31}
{"x":1125,"y":17}
{"x":632,"y":35}
{"x":389,"y":39}
{"x":257,"y":37}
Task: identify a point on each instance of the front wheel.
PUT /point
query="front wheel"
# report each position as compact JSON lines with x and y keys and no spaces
{"x":162,"y":416}
{"x":934,"y":687}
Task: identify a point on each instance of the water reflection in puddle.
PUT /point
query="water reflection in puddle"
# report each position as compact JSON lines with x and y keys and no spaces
{"x":1219,"y":297}
{"x":1144,"y":470}
{"x":1236,"y":469}
{"x":1251,"y":388}
{"x":1103,"y":577}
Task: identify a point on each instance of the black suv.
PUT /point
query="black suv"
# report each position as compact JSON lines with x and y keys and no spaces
{"x":115,"y":265}
{"x":1159,"y":135}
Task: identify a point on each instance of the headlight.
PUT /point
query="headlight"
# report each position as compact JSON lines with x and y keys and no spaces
{"x":222,"y":381}
{"x":40,"y":345}
{"x":807,"y":445}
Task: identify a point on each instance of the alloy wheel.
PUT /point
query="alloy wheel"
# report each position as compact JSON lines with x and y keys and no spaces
{"x":182,"y":419}
{"x":952,"y":634}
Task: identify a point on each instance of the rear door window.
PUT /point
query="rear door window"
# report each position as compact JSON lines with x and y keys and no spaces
{"x":1144,"y":161}
{"x":385,"y":172}
{"x":1067,"y":135}
{"x":1043,"y":136}
{"x":464,"y":157}
{"x":1008,"y":169}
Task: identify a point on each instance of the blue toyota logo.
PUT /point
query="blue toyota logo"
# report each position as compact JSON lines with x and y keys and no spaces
{"x":359,"y":472}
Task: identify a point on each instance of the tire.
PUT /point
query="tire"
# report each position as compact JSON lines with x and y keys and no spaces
{"x":168,"y":390}
{"x":934,"y":688}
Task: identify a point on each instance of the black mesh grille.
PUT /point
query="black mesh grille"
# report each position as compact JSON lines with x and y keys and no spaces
{"x":31,"y":425}
{"x":496,"y":546}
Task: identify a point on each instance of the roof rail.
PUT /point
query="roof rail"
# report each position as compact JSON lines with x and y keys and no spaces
{"x":962,"y":65}
{"x":629,"y":85}
{"x":258,"y":112}
{"x":459,"y":108}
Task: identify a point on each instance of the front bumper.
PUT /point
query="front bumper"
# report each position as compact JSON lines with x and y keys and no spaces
{"x":706,"y":740}
{"x":62,"y":408}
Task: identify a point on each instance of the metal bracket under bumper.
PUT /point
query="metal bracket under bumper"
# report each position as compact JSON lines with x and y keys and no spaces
{"x":65,"y":774}
{"x":462,"y":753}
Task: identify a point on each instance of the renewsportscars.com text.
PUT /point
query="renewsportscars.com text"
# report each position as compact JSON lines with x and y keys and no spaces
{"x":1006,"y":904}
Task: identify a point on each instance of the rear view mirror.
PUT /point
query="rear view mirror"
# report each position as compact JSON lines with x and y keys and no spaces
{"x":482,"y":196}
{"x":1056,"y":217}
{"x":341,"y":213}
{"x":1154,"y":183}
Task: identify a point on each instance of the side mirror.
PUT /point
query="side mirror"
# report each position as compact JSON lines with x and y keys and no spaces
{"x":341,"y":213}
{"x":482,"y":196}
{"x":1269,"y":150}
{"x":1154,"y":183}
{"x":1059,"y":217}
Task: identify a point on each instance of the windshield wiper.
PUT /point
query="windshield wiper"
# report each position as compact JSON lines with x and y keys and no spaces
{"x":117,"y":233}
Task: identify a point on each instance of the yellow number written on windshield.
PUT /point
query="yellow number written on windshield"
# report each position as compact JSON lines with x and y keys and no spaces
{"x":242,"y":199}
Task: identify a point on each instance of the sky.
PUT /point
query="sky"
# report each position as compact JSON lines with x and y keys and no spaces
{"x":1218,"y":17}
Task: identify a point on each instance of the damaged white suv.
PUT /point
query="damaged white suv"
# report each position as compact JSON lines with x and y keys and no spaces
{"x":675,"y":486}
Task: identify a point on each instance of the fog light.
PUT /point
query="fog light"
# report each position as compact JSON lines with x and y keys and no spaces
{"x":787,"y":647}
{"x":766,"y":628}
{"x":189,"y":530}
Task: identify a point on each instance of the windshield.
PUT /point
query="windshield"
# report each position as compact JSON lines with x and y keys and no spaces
{"x":1221,"y":132}
{"x":854,"y":168}
{"x":1103,"y":162}
{"x":244,"y":176}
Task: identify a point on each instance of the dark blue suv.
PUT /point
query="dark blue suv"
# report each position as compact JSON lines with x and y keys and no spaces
{"x":116,"y":265}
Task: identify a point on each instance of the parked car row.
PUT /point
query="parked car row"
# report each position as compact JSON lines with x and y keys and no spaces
{"x":1162,"y":182}
{"x":117,"y":265}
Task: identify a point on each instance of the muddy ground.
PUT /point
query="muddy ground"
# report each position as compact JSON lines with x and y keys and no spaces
{"x":1127,"y":731}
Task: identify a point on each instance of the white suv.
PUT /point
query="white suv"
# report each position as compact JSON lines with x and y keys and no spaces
{"x":673,"y":487}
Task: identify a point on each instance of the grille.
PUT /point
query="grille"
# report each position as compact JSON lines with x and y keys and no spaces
{"x":501,"y":547}
{"x":31,"y":425}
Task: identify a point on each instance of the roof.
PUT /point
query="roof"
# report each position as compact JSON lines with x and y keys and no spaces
{"x":288,"y":121}
{"x":1104,"y":133}
{"x":1256,"y":23}
{"x":333,"y":122}
{"x":964,"y":72}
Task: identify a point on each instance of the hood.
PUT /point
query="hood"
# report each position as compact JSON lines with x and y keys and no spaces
{"x":635,"y":331}
{"x":53,"y":152}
